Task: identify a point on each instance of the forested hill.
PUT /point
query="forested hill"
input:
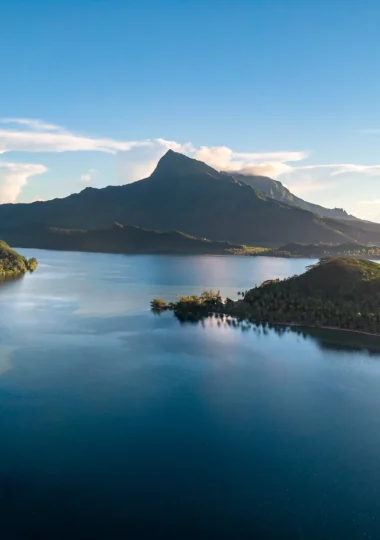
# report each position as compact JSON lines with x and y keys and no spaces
{"x":341,"y":293}
{"x":187,"y":195}
{"x":115,"y":239}
{"x":12,"y":263}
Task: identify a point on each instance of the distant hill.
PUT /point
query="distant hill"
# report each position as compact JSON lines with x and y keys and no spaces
{"x":12,"y":263}
{"x":277,"y":191}
{"x":187,"y":195}
{"x":316,"y":251}
{"x":116,"y":239}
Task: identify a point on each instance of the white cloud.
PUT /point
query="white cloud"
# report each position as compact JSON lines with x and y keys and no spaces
{"x":306,"y":179}
{"x":42,"y":137}
{"x":137,"y":159}
{"x":32,"y":123}
{"x":13,"y":176}
{"x":305,"y":183}
{"x":186,"y":148}
{"x":88,"y":176}
{"x":343,"y":168}
{"x":39,"y":136}
{"x":140,"y":163}
{"x":36,"y":141}
{"x":264,"y":163}
{"x":368,"y":170}
{"x":373,"y":201}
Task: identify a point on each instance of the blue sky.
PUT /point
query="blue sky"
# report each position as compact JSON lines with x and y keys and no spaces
{"x":288,"y":88}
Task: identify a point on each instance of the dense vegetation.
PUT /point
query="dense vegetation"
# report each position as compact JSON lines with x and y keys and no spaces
{"x":186,"y":195}
{"x":11,"y":263}
{"x":191,"y":307}
{"x":342,"y":293}
{"x":316,"y":251}
{"x":119,"y":239}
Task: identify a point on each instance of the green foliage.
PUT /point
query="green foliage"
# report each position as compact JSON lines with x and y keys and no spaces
{"x":192,"y":307}
{"x":12,"y":263}
{"x":349,"y":249}
{"x":342,"y":293}
{"x":249,"y":250}
{"x":158,"y":304}
{"x":32,"y":264}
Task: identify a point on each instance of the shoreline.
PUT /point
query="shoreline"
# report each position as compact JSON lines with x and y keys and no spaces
{"x":289,"y":324}
{"x":201,"y":253}
{"x":335,"y":328}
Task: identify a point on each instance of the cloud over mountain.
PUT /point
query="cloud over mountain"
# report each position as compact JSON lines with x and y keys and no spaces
{"x":13,"y":176}
{"x":135,"y":159}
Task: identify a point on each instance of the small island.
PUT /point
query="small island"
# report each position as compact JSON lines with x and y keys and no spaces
{"x":14,"y":264}
{"x":337,"y":293}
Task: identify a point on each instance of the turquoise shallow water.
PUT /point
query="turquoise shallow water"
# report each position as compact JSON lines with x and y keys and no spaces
{"x":115,"y":423}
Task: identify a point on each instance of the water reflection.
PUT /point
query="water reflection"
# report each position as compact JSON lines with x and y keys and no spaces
{"x":9,"y":282}
{"x":325,"y":339}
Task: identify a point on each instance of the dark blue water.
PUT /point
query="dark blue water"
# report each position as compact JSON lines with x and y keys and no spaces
{"x":118,"y":424}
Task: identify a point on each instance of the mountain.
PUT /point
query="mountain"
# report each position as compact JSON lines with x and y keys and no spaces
{"x":277,"y":191}
{"x":187,"y":195}
{"x":116,"y":239}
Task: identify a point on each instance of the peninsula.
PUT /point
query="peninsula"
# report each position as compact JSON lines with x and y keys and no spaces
{"x":14,"y":264}
{"x":335,"y":292}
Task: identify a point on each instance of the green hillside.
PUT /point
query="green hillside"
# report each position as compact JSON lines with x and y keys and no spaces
{"x":116,"y":239}
{"x":12,"y":263}
{"x":341,"y":292}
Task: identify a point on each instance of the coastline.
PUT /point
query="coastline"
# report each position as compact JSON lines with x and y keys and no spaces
{"x":335,"y":328}
{"x":249,"y":252}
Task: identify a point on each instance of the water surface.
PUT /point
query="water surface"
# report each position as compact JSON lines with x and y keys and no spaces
{"x":115,"y":423}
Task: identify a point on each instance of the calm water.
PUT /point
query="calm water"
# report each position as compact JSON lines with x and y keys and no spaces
{"x":118,"y":424}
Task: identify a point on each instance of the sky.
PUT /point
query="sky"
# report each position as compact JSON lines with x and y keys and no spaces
{"x":94,"y":92}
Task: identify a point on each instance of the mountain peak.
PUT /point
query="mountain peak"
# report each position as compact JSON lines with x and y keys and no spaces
{"x":175,"y":163}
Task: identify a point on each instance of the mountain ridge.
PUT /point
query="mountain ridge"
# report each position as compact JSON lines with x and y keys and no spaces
{"x":189,"y":196}
{"x":276,"y":190}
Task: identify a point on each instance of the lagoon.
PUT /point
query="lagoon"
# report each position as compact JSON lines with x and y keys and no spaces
{"x":117,"y":423}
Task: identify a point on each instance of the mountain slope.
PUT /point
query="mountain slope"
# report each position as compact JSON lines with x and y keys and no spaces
{"x":189,"y":196}
{"x":116,"y":239}
{"x":277,"y":191}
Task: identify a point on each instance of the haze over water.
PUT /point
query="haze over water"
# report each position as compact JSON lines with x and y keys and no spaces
{"x":116,"y":423}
